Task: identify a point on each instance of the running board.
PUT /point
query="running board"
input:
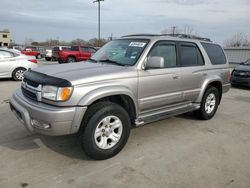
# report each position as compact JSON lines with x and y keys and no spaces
{"x":156,"y":115}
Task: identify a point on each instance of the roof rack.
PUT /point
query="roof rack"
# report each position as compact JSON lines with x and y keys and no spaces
{"x":171,"y":35}
{"x":143,"y":35}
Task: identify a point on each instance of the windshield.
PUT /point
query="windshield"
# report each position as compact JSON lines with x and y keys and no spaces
{"x":122,"y":51}
{"x":74,"y":48}
{"x":247,"y":62}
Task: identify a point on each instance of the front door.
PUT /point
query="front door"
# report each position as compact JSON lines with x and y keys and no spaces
{"x":160,"y":87}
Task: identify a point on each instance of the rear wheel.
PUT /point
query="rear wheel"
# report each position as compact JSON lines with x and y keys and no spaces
{"x":38,"y":56}
{"x":209,"y":104}
{"x":47,"y":58}
{"x":105,"y":130}
{"x":71,"y":60}
{"x":18,"y":74}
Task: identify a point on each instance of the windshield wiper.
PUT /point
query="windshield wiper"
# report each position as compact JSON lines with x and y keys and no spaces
{"x":111,"y":61}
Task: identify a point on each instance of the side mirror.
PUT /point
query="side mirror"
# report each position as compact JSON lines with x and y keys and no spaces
{"x":155,"y":62}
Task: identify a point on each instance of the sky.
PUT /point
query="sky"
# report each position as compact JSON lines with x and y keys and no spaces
{"x":66,"y":20}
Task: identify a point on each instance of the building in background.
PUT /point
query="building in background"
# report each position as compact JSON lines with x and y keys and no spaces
{"x":237,"y":55}
{"x":5,"y":38}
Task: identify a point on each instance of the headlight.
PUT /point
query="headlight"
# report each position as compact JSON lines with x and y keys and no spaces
{"x":56,"y":93}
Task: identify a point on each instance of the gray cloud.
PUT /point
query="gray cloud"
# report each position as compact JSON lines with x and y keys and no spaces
{"x":67,"y":20}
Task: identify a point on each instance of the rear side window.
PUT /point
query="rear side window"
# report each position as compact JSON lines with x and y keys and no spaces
{"x":215,"y":53}
{"x":190,"y":55}
{"x":5,"y":54}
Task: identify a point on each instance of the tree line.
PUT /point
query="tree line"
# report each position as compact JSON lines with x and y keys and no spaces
{"x":55,"y":42}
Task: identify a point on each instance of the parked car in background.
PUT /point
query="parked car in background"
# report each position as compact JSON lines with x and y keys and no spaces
{"x":134,"y":80}
{"x":18,"y":49}
{"x":13,"y":64}
{"x":76,"y":54}
{"x":32,"y":51}
{"x":241,"y":74}
{"x":48,"y":55}
{"x":42,"y":51}
{"x":56,"y":50}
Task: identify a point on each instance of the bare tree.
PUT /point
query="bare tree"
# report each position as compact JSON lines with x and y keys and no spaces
{"x":78,"y":41}
{"x":172,"y":30}
{"x":188,"y":30}
{"x":185,"y":29}
{"x":28,"y":41}
{"x":238,"y":40}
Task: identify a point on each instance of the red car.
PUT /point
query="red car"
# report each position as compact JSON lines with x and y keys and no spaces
{"x":32,"y":51}
{"x":75,"y":54}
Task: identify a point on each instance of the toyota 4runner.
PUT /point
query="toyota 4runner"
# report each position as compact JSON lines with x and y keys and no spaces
{"x":131,"y":81}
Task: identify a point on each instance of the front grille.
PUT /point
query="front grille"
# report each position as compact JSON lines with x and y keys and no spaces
{"x":29,"y":94}
{"x":31,"y":83}
{"x":242,"y":74}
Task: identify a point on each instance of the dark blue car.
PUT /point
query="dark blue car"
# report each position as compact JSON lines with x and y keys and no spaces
{"x":241,"y":74}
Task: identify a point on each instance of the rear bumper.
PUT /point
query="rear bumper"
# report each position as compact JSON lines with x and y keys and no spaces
{"x":240,"y":81}
{"x":61,"y":120}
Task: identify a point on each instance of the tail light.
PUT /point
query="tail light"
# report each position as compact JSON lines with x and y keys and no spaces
{"x":33,"y":60}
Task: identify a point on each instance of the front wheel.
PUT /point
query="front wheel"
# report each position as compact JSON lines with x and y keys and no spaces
{"x":18,"y":74}
{"x":209,"y":104}
{"x":105,"y":130}
{"x":71,"y":60}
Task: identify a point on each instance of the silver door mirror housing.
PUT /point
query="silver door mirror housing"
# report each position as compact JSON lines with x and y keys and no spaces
{"x":155,"y":62}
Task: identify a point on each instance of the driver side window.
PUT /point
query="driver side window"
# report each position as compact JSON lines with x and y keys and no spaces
{"x":167,"y":51}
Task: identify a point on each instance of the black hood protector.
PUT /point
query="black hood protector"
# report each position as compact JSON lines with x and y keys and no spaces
{"x":36,"y":78}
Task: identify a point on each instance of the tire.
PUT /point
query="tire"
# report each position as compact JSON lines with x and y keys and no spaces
{"x":71,"y":60}
{"x":18,"y":74}
{"x":47,"y":58}
{"x":209,"y":104}
{"x":60,"y":62}
{"x":99,"y":142}
{"x":38,"y":56}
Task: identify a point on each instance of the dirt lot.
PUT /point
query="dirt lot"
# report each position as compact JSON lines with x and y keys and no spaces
{"x":177,"y":152}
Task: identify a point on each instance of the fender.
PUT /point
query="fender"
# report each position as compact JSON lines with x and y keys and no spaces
{"x":106,"y":91}
{"x":214,"y":78}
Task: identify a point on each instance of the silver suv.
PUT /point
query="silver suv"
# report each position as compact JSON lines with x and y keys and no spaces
{"x":131,"y":81}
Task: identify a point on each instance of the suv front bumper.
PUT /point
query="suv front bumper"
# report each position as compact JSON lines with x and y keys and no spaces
{"x":46,"y":119}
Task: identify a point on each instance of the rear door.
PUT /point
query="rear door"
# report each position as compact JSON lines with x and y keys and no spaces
{"x":192,"y":66}
{"x":7,"y":63}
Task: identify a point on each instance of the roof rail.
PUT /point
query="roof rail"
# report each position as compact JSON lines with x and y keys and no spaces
{"x":171,"y":35}
{"x":187,"y":36}
{"x":143,"y":35}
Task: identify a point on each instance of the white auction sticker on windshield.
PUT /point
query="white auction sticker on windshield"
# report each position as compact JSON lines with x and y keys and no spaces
{"x":137,"y":44}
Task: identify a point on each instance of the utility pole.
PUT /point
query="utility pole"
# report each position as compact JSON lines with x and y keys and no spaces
{"x":174,"y":28}
{"x":99,"y":20}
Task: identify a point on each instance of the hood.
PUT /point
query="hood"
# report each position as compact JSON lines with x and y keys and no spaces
{"x":85,"y":72}
{"x":243,"y":68}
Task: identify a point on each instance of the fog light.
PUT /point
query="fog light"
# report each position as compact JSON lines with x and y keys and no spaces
{"x":40,"y":124}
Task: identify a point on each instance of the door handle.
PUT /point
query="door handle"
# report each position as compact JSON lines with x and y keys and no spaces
{"x":175,"y":77}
